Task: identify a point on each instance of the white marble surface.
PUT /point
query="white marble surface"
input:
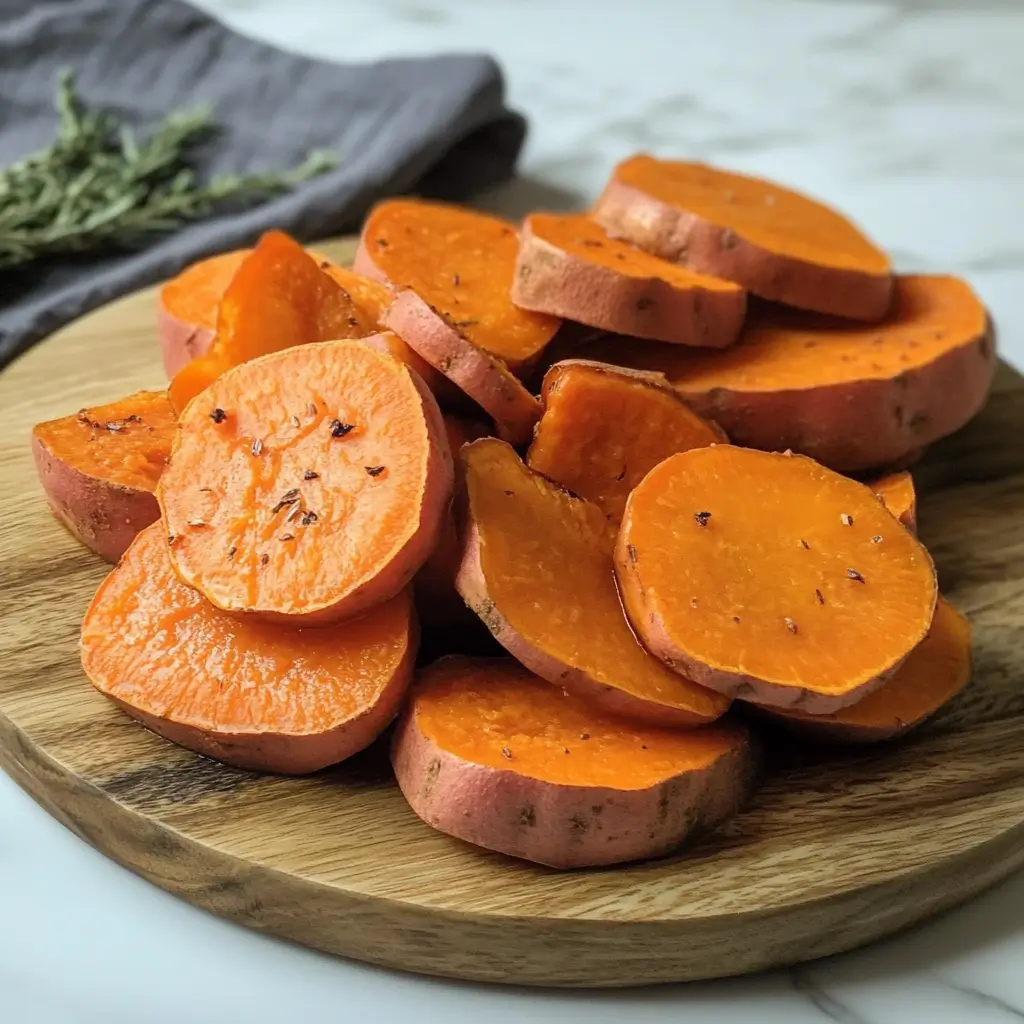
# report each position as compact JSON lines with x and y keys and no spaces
{"x":906,"y":114}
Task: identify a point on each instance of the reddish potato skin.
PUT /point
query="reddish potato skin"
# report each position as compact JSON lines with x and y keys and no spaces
{"x":283,"y":754}
{"x":491,"y":807}
{"x":180,"y":342}
{"x":104,"y":516}
{"x":685,"y":238}
{"x":550,"y":280}
{"x":826,"y":732}
{"x":483,"y":377}
{"x":471,"y":585}
{"x":860,"y":425}
{"x":362,"y":263}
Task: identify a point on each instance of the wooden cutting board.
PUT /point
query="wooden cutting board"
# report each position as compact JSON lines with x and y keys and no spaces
{"x":832,"y":853}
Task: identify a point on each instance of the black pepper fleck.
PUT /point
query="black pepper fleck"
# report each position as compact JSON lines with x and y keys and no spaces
{"x":854,"y":575}
{"x":339,"y":429}
{"x":375,"y":470}
{"x":218,"y":415}
{"x":310,"y":475}
{"x":701,"y":518}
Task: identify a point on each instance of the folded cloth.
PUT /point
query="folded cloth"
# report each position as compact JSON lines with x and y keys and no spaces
{"x":437,"y":125}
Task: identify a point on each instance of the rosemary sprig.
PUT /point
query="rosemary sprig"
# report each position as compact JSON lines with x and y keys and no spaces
{"x":99,"y":187}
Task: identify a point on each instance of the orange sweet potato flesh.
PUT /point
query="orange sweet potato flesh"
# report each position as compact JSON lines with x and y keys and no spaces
{"x":99,"y":468}
{"x":933,"y":674}
{"x":194,"y":295}
{"x":853,"y":397}
{"x":771,"y":578}
{"x":896,"y":493}
{"x":278,"y":297}
{"x":604,"y":428}
{"x":187,"y":308}
{"x":437,"y":600}
{"x":569,"y":267}
{"x":778,"y":243}
{"x":309,"y":484}
{"x":246,"y":692}
{"x":537,"y":569}
{"x":461,"y":263}
{"x":373,"y":299}
{"x":489,"y":753}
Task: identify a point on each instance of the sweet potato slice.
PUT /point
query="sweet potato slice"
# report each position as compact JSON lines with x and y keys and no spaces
{"x":490,"y":754}
{"x":187,"y":308}
{"x":437,"y":600}
{"x":851,"y":396}
{"x":896,"y":493}
{"x":537,"y":568}
{"x":249,"y":693}
{"x":769,"y":577}
{"x":100,"y":467}
{"x":933,"y":674}
{"x":774,"y":242}
{"x":460,"y":263}
{"x":279,"y":297}
{"x":483,"y":377}
{"x":568,"y":267}
{"x":307,"y":485}
{"x":605,"y":427}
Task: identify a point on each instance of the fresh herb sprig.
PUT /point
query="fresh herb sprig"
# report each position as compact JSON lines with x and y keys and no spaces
{"x":99,"y":187}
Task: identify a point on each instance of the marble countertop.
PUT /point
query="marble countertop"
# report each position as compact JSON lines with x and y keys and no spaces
{"x":908,"y":115}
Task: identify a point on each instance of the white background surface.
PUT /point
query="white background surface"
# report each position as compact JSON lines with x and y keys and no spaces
{"x":910,"y":116}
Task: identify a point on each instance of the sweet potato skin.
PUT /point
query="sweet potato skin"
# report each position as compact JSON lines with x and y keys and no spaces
{"x":551,"y":280}
{"x":684,"y":237}
{"x":180,"y":342}
{"x":472,"y":586}
{"x":103,"y":515}
{"x":859,"y":425}
{"x":450,"y":793}
{"x":481,"y":376}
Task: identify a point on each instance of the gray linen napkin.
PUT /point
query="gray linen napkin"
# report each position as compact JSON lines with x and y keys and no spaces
{"x":436,"y":125}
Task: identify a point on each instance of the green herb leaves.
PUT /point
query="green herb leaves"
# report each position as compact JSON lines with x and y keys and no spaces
{"x":98,"y":187}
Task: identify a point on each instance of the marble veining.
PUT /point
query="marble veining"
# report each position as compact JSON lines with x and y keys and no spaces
{"x":905,"y":113}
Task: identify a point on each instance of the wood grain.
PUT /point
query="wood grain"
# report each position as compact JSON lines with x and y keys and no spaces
{"x":833,"y":852}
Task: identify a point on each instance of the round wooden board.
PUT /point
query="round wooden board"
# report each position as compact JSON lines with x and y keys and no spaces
{"x":831,"y":853}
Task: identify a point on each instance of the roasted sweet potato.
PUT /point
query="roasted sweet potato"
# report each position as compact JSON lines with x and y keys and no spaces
{"x":437,"y":600}
{"x":537,"y":568}
{"x":604,"y":427}
{"x":99,"y":468}
{"x":187,"y":308}
{"x":249,"y":693}
{"x":489,"y":753}
{"x":482,"y":376}
{"x":568,"y":267}
{"x":769,"y":577}
{"x":460,"y":263}
{"x":307,"y":485}
{"x":373,"y":298}
{"x":896,"y":493}
{"x":851,"y":396}
{"x":775,"y":242}
{"x":933,"y":674}
{"x":278,"y":297}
